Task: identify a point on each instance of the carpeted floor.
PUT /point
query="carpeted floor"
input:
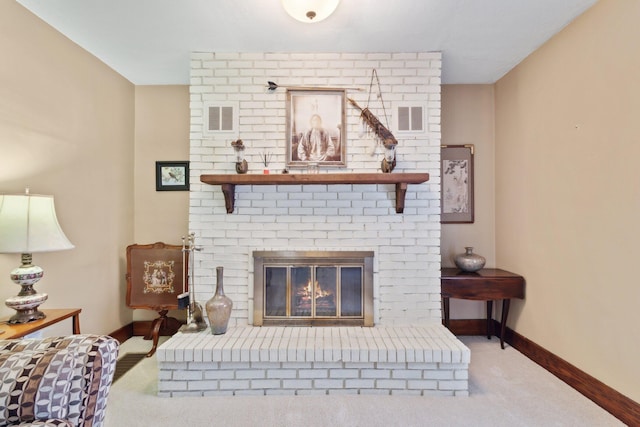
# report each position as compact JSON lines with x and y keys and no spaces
{"x":506,"y":389}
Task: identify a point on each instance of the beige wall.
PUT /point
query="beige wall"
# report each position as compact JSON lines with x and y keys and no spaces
{"x":468,"y":118}
{"x":162,"y":133}
{"x":66,"y":129}
{"x":568,"y":192}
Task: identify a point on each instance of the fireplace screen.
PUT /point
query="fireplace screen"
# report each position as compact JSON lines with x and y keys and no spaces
{"x":319,"y":288}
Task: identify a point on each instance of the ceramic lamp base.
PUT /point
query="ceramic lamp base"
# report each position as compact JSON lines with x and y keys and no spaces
{"x":26,"y":306}
{"x":26,"y":303}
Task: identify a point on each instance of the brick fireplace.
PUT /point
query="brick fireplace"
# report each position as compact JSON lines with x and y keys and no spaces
{"x":318,"y":217}
{"x":407,"y":339}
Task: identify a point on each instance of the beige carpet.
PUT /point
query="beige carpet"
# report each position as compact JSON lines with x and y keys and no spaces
{"x":506,"y":389}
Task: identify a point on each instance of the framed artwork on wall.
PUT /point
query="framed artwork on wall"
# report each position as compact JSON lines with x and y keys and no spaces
{"x":172,"y":176}
{"x":456,"y":195}
{"x":316,"y":128}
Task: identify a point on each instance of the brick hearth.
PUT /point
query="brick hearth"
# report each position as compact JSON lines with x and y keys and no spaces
{"x":425,"y":360}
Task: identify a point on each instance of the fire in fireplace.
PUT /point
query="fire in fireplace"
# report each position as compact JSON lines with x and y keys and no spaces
{"x":313,"y":288}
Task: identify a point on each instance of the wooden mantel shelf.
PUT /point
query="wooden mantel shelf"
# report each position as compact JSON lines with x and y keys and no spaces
{"x":228,"y":182}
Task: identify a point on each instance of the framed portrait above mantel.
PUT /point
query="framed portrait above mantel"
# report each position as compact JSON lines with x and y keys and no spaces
{"x":456,"y":195}
{"x":316,"y":128}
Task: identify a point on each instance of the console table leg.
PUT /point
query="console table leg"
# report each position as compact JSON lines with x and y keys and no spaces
{"x":489,"y":314}
{"x":505,"y":314}
{"x":76,"y":324}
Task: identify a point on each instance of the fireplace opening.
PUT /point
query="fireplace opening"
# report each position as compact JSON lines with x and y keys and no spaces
{"x":317,"y":288}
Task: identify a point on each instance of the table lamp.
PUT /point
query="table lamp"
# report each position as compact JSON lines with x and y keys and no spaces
{"x":28,"y":224}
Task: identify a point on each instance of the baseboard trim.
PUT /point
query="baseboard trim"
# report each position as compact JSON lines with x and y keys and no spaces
{"x":123,"y":333}
{"x":468,"y":326}
{"x":612,"y":401}
{"x":143,"y":328}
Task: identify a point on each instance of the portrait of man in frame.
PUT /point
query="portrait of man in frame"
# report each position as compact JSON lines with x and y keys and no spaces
{"x":316,"y":128}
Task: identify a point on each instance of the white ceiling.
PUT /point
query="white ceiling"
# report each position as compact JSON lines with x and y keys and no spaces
{"x":149,"y":41}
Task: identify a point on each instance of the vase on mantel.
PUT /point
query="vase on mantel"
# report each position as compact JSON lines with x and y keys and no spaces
{"x":469,"y":261}
{"x":219,"y":307}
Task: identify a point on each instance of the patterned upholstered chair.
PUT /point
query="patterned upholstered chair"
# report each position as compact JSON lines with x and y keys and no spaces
{"x":57,"y":381}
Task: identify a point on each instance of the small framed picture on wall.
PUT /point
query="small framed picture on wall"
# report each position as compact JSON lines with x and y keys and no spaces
{"x":456,"y":172}
{"x":172,"y":176}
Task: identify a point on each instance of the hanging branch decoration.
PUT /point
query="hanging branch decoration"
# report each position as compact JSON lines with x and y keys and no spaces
{"x":382,"y":133}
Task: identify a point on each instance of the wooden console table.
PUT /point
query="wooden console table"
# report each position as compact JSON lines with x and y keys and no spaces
{"x":488,"y":284}
{"x":228,"y":182}
{"x":8,"y":331}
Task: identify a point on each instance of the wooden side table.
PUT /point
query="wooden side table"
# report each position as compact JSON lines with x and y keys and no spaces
{"x":56,"y":315}
{"x":488,"y":284}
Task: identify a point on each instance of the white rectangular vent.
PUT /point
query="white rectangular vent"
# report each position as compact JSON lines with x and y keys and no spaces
{"x":221,"y":117}
{"x":409,"y":118}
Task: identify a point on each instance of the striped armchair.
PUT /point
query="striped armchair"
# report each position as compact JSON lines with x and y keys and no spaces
{"x":57,"y":381}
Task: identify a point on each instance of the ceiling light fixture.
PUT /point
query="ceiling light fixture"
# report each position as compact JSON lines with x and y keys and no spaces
{"x":310,"y":11}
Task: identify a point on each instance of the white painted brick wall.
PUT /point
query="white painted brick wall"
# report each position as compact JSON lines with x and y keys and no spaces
{"x":290,"y":379}
{"x":347,"y":217}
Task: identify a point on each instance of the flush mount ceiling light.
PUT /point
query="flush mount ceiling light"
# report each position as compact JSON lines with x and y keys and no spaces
{"x":310,"y":11}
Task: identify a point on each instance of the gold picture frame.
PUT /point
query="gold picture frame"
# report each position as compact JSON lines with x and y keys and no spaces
{"x":316,"y":128}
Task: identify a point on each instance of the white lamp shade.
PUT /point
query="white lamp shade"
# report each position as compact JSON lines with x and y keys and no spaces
{"x":300,"y":9}
{"x":28,"y":224}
